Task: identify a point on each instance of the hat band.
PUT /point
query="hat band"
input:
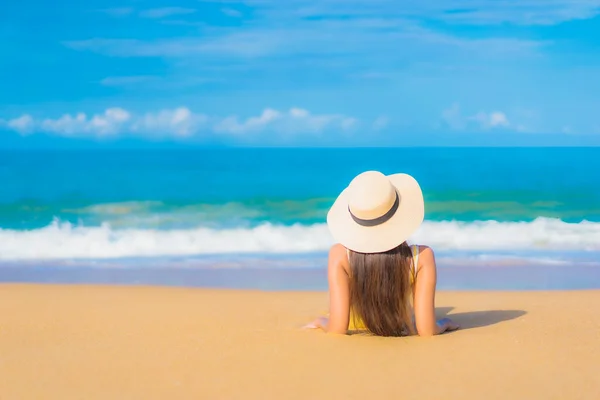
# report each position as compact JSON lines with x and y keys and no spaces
{"x":379,"y":220}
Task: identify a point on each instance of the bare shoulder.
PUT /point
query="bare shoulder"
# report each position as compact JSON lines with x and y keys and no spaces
{"x":338,"y":257}
{"x":426,"y":255}
{"x":426,"y":269}
{"x":337,"y":250}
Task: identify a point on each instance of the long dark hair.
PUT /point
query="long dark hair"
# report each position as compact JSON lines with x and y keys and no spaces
{"x":380,"y":290}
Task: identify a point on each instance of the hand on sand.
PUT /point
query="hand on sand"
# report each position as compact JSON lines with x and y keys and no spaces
{"x":447,"y":325}
{"x":318,"y":323}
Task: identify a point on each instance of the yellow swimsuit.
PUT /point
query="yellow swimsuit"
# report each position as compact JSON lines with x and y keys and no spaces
{"x":356,"y":323}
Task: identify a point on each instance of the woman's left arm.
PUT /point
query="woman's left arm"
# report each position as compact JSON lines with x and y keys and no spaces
{"x":339,"y":294}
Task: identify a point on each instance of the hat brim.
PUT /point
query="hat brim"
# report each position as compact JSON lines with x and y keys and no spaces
{"x":386,"y":236}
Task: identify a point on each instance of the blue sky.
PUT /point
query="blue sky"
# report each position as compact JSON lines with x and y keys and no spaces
{"x":296,"y":72}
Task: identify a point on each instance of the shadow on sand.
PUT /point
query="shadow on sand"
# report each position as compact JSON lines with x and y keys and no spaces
{"x":478,"y":319}
{"x":470,"y":319}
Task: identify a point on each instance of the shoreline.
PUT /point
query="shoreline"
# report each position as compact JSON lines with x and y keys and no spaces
{"x":464,"y":278}
{"x":148,"y":342}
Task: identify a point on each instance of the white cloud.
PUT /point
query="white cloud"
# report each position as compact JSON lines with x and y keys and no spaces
{"x":494,"y":119}
{"x":351,"y":34}
{"x":232,"y":124}
{"x":118,"y":11}
{"x":230,"y":12}
{"x":243,"y":44}
{"x":23,"y":124}
{"x":453,"y":117}
{"x":472,"y":12}
{"x":498,"y":118}
{"x":380,"y":123}
{"x":318,"y":38}
{"x":108,"y":123}
{"x":295,"y":120}
{"x":152,"y":13}
{"x":177,"y":122}
{"x":523,"y":12}
{"x":180,"y":122}
{"x":164,"y":12}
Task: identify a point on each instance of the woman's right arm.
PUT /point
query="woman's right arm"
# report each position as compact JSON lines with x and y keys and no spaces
{"x":424,"y":299}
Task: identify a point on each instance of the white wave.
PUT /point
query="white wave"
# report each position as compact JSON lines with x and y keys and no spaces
{"x":66,"y":241}
{"x":540,"y":234}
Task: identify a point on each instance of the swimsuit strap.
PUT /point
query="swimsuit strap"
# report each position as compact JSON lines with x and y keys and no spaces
{"x":415,"y":252}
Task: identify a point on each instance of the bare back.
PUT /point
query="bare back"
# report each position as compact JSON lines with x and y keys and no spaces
{"x":423,"y":293}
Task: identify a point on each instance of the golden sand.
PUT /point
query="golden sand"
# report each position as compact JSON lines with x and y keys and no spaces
{"x":110,"y":342}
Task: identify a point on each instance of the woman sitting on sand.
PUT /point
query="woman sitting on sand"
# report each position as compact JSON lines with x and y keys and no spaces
{"x":377,"y":282}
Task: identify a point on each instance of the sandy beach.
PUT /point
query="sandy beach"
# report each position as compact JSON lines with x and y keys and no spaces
{"x":120,"y":342}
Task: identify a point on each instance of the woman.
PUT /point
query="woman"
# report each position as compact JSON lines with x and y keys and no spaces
{"x":377,"y":282}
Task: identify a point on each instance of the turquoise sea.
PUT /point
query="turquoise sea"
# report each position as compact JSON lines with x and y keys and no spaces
{"x":68,"y":215}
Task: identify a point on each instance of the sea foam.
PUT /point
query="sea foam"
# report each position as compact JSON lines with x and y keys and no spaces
{"x":62,"y":240}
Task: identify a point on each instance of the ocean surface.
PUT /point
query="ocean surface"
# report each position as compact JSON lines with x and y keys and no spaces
{"x":132,"y":212}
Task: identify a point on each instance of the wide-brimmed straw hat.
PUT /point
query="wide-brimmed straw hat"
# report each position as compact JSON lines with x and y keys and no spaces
{"x":376,"y":213}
